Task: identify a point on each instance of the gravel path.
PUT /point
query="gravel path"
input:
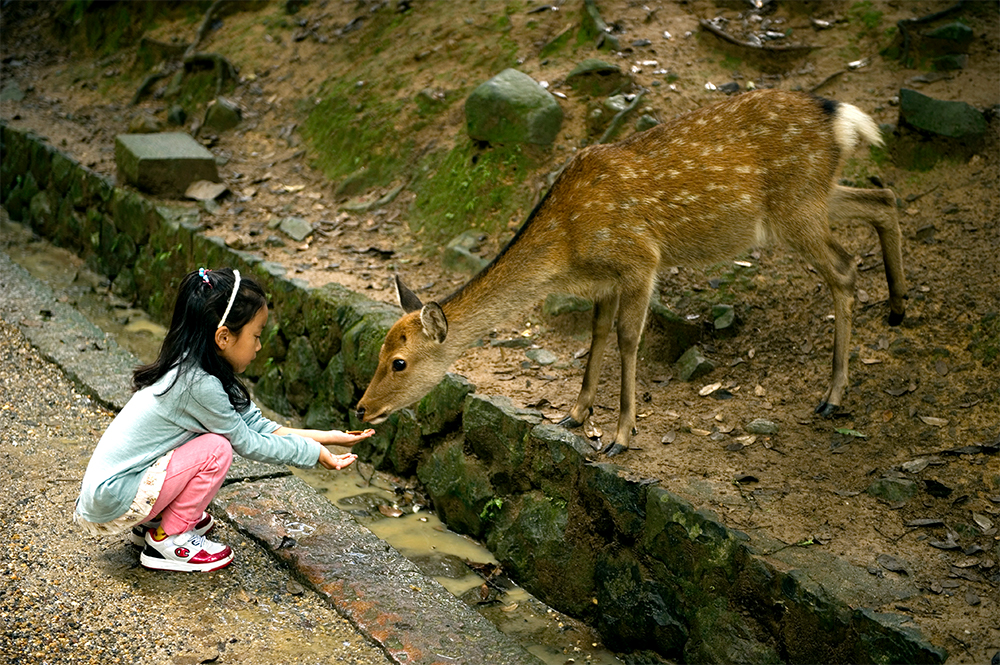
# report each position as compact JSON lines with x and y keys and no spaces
{"x":65,"y":598}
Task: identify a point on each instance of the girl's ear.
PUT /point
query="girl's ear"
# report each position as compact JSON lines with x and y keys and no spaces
{"x":222,"y":338}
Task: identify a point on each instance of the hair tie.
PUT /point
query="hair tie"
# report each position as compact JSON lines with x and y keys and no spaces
{"x":232,"y":299}
{"x":204,"y":276}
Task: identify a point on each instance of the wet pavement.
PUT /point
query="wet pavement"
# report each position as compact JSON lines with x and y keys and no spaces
{"x":309,"y":584}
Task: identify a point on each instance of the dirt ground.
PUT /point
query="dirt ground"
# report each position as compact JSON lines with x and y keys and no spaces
{"x":923,"y":399}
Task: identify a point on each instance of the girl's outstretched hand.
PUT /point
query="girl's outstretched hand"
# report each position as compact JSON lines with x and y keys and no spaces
{"x":331,"y":461}
{"x":335,"y":437}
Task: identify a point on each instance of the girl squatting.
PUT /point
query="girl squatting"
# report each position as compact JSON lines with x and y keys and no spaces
{"x":165,"y":456}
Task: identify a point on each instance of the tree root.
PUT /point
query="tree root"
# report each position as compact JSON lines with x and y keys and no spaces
{"x":188,"y":57}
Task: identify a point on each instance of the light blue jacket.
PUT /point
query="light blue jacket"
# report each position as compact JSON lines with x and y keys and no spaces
{"x":152,"y":424}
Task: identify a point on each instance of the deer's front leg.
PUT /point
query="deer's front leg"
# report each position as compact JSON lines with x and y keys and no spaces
{"x":631,"y":320}
{"x":604,"y":316}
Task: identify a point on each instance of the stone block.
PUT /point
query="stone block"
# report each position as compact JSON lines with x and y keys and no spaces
{"x":443,"y":405}
{"x":496,"y":431}
{"x":163,"y":164}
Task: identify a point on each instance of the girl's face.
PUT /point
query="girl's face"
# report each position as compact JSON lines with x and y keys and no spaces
{"x":240,"y":350}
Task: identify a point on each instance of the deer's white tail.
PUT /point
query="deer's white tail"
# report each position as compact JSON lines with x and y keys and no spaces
{"x":850,"y":123}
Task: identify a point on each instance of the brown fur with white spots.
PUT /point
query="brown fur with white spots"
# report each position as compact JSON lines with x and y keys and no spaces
{"x":693,"y":191}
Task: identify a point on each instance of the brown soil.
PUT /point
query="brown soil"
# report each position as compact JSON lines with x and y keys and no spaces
{"x":916,"y":391}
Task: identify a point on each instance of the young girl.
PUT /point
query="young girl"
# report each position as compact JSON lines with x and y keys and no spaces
{"x":164,"y":457}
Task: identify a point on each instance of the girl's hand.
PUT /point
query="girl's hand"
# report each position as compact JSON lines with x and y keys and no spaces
{"x":337,"y":438}
{"x":331,"y":461}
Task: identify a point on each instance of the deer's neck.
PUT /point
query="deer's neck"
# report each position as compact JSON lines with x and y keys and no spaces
{"x":516,"y":280}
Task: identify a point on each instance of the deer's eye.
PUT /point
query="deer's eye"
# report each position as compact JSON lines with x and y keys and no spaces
{"x":398,"y":365}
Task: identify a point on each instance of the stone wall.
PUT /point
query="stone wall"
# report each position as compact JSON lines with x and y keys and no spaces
{"x":644,"y":566}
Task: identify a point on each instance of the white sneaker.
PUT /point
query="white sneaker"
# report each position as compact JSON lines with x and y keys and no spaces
{"x":184,"y":552}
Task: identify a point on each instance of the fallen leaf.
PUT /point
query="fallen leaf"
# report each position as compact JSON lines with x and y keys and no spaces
{"x":709,"y":389}
{"x":851,"y":432}
{"x":982,"y":521}
{"x":935,"y":422}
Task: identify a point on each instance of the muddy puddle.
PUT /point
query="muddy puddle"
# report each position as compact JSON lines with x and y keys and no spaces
{"x":394,"y":510}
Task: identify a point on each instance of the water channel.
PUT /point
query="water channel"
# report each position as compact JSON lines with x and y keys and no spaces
{"x":391,"y":508}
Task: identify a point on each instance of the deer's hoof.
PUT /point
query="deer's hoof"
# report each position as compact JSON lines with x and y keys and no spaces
{"x":614,"y":449}
{"x":895,"y":318}
{"x":569,"y":422}
{"x":826,"y":409}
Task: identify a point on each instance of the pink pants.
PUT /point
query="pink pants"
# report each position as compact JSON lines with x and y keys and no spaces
{"x":194,"y":476}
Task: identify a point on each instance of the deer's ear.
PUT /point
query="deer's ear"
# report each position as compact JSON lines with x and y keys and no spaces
{"x":407,"y":299}
{"x":433,"y":320}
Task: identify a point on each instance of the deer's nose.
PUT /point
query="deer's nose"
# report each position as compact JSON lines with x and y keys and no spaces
{"x":360,"y":413}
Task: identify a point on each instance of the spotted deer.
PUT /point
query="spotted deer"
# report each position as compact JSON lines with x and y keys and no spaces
{"x":694,"y":191}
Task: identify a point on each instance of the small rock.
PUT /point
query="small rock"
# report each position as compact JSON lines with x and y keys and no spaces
{"x":724,"y":316}
{"x":458,"y":254}
{"x":541,"y":356}
{"x":222,"y":115}
{"x":892,"y":489}
{"x":762,"y":426}
{"x":645,"y":122}
{"x":296,"y":228}
{"x":693,"y":365}
{"x":144,"y":123}
{"x":205,"y":190}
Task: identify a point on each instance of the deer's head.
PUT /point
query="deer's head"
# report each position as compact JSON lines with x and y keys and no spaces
{"x":413,"y":358}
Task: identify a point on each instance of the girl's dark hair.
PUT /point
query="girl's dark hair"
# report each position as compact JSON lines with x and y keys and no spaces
{"x":201,"y":302}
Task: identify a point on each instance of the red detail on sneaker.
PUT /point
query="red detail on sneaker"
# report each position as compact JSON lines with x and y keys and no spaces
{"x":182,"y":552}
{"x":204,"y":557}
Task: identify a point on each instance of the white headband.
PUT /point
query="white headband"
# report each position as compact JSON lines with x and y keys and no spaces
{"x":232,"y":299}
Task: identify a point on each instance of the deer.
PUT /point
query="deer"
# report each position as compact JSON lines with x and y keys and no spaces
{"x":694,"y":191}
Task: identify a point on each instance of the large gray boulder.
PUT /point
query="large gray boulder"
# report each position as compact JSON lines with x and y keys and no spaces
{"x":512,"y":108}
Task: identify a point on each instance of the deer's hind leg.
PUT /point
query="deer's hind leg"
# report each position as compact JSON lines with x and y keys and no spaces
{"x":604,"y":316}
{"x":836,"y":265}
{"x":878,"y":208}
